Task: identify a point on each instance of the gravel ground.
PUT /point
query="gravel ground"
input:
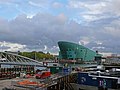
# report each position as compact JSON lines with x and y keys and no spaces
{"x":8,"y":84}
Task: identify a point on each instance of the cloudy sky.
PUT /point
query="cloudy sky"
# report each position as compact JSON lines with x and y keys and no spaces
{"x":28,"y":25}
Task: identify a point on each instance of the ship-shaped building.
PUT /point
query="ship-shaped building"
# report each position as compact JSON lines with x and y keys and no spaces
{"x":72,"y":52}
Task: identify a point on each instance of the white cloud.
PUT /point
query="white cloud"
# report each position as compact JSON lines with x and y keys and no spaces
{"x":8,"y":46}
{"x":90,"y":18}
{"x":45,"y":47}
{"x":114,"y":7}
{"x":89,"y":8}
{"x":39,"y":3}
{"x":99,"y":47}
{"x":99,"y":43}
{"x":57,"y":5}
{"x":97,"y":8}
{"x":35,"y":4}
{"x":62,"y":18}
{"x":106,"y":54}
{"x":55,"y":48}
{"x":84,"y":41}
{"x":113,"y":28}
{"x":113,"y":31}
{"x":43,"y":31}
{"x":98,"y":24}
{"x":7,"y":1}
{"x":30,"y":15}
{"x":92,"y":10}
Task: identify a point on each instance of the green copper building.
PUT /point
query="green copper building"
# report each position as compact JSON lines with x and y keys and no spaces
{"x":72,"y":51}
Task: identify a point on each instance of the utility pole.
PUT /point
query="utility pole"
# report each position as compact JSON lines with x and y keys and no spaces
{"x":35,"y":55}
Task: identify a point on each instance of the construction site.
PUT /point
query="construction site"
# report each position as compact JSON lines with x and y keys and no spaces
{"x":22,"y":73}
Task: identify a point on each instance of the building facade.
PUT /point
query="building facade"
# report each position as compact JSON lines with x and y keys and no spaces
{"x":72,"y":51}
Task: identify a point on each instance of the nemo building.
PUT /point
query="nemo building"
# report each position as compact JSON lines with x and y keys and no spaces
{"x":75,"y":52}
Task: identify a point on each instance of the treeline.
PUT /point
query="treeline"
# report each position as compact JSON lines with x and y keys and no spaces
{"x":37,"y":55}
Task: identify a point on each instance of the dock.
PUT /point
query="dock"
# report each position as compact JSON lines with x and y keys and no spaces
{"x":57,"y":81}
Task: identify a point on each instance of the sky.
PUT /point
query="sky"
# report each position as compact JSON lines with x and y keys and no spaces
{"x":29,"y":25}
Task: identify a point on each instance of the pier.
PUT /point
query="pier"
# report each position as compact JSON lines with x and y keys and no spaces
{"x":64,"y":82}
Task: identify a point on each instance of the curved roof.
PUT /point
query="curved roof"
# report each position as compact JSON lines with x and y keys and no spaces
{"x":65,"y":44}
{"x":69,"y":50}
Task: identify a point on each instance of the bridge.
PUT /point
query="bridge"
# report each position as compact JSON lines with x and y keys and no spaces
{"x":7,"y":58}
{"x":11,"y":65}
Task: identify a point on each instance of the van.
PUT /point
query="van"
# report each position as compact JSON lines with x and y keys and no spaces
{"x":43,"y":74}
